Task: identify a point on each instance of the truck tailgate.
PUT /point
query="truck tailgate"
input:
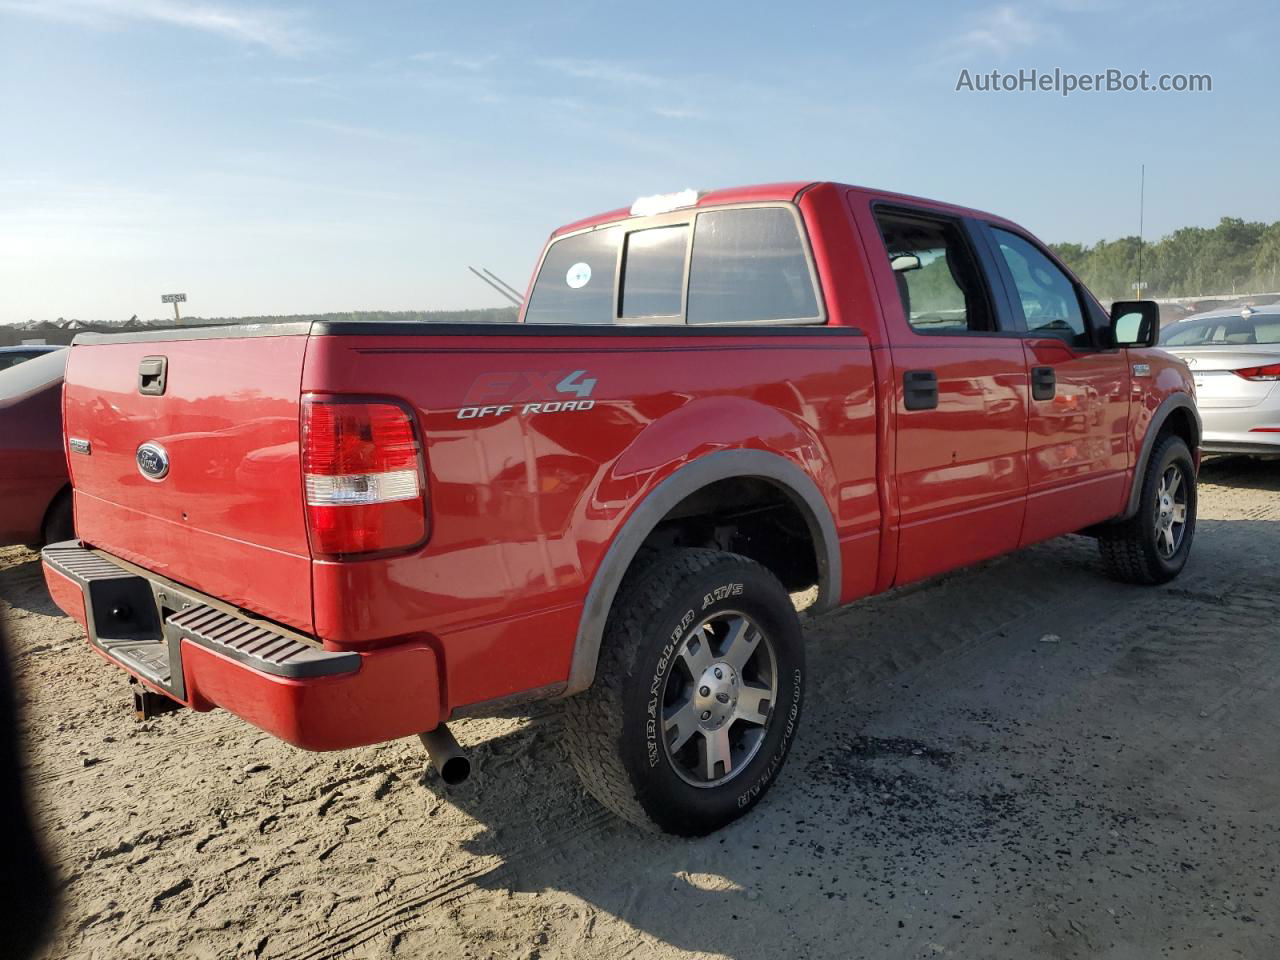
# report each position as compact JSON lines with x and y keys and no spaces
{"x":227,"y":517}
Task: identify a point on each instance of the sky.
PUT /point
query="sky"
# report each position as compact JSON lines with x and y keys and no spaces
{"x":309,"y":157}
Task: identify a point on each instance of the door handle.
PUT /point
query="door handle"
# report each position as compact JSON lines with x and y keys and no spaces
{"x":920,"y":390}
{"x":1044,"y":383}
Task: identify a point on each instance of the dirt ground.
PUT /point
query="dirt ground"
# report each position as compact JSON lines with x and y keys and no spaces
{"x":1024,"y":760}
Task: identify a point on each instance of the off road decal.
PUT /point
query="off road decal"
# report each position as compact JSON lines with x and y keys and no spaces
{"x":526,"y":392}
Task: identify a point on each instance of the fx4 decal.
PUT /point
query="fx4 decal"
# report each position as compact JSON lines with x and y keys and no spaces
{"x":528,"y":392}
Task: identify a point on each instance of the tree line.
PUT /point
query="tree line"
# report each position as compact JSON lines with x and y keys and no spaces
{"x":63,"y":331}
{"x":1236,"y":256}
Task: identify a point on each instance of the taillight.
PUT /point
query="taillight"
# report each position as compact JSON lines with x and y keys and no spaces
{"x":1270,"y":372}
{"x":362,"y":477}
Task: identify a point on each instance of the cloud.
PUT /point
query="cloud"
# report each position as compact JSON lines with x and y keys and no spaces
{"x":677,"y":113}
{"x":472,"y":64}
{"x":630,"y":85}
{"x":366,"y":133}
{"x":1083,"y":6}
{"x":277,"y":30}
{"x":604,"y":71}
{"x":1003,"y":30}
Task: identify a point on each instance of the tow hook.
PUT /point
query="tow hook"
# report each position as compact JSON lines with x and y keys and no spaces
{"x":446,"y":756}
{"x":148,"y":703}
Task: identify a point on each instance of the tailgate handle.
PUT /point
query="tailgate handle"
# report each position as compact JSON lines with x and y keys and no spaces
{"x":151,"y":375}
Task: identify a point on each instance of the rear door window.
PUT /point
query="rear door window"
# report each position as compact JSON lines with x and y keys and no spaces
{"x":575,"y":284}
{"x":938,"y":280}
{"x":749,"y":265}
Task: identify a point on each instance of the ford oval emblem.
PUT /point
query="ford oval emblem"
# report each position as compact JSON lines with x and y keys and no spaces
{"x":153,"y":461}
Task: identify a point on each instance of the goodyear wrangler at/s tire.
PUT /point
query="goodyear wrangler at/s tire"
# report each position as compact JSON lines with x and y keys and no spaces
{"x":697,"y":693}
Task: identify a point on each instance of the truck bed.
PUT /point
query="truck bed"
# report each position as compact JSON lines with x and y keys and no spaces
{"x":539,"y":441}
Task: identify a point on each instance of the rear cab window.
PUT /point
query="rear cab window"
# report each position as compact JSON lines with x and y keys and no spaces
{"x":718,"y":265}
{"x":1225,"y":331}
{"x":653,"y":273}
{"x":575,"y":283}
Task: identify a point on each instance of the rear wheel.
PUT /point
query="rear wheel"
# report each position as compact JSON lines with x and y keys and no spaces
{"x":1152,"y":546}
{"x":697,"y":693}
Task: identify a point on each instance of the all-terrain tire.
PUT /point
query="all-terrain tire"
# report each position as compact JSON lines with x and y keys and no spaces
{"x":614,"y":731}
{"x":1130,"y":552}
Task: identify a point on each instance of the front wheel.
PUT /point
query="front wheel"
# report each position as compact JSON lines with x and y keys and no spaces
{"x":697,"y":693}
{"x":1152,"y":546}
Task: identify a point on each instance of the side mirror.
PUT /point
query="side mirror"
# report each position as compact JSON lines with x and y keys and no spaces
{"x":905,"y":262}
{"x":1135,"y":323}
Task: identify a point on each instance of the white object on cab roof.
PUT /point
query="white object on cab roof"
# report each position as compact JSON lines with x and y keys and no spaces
{"x":664,"y":202}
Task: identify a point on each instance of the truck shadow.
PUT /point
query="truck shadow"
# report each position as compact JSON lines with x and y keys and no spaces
{"x":1249,"y":473}
{"x":956,"y":777}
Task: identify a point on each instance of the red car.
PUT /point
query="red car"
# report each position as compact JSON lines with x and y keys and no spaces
{"x":351,"y":532}
{"x":35,"y":492}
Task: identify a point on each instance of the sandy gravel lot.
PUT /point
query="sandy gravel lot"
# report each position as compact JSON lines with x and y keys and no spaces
{"x":1023,"y":760}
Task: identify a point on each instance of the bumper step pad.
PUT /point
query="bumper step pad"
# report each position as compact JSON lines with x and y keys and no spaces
{"x":258,"y":646}
{"x":125,"y":611}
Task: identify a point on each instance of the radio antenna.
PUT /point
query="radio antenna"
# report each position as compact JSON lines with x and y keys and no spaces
{"x":516,"y":301}
{"x":1142,"y":199}
{"x":508,"y":287}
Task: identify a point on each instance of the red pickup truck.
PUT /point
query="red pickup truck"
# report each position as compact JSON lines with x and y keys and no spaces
{"x":351,"y":532}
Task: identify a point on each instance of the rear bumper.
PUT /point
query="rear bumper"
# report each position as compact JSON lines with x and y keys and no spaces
{"x":1242,"y":438}
{"x":204,"y":654}
{"x":1243,"y":429}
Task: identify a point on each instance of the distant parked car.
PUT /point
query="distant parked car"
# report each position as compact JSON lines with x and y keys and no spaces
{"x":1234,"y":356}
{"x":35,"y":492}
{"x":12,"y":356}
{"x":1171,"y":313}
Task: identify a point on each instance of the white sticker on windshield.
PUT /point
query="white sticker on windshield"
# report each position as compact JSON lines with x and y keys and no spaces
{"x":579,"y":275}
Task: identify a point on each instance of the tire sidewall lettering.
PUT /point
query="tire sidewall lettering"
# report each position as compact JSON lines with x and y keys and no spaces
{"x":723,"y":592}
{"x":779,"y":755}
{"x":653,"y":749}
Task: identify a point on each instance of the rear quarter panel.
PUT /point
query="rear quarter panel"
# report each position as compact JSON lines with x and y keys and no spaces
{"x":524,"y":505}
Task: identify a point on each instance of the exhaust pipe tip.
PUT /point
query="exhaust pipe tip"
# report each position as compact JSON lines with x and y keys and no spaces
{"x":454,"y":770}
{"x":446,"y":756}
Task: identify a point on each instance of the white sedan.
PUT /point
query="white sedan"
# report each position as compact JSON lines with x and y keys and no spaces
{"x":1234,"y":356}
